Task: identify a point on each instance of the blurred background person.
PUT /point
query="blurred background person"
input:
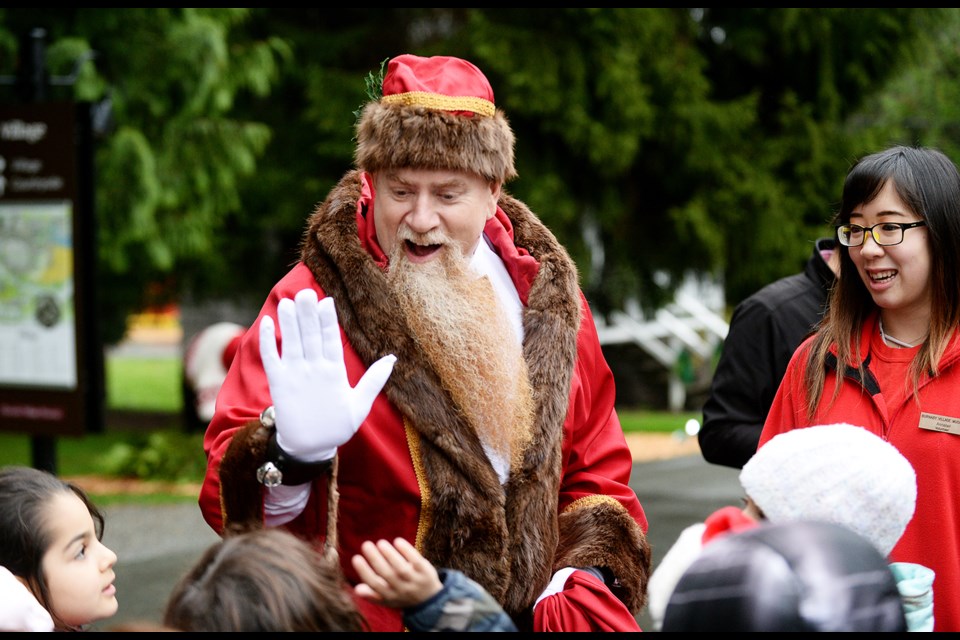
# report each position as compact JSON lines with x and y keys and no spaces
{"x":791,"y":576}
{"x":206,"y":360}
{"x":765,"y":329}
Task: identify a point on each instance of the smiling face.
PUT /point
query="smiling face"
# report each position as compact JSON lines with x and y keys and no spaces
{"x":897,"y":276}
{"x":77,"y":567}
{"x":420,"y":210}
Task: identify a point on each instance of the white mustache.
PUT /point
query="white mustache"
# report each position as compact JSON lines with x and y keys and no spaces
{"x":433,"y":237}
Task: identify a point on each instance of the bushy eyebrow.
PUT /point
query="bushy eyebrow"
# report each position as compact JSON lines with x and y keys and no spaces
{"x":452,"y":183}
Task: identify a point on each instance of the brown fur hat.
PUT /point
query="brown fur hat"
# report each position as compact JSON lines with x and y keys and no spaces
{"x":435,"y":113}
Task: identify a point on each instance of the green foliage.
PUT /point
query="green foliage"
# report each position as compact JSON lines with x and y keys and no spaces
{"x":652,"y":141}
{"x":160,"y":455}
{"x":170,"y":173}
{"x":594,"y":142}
{"x":374,"y":84}
{"x":128,"y":201}
{"x":122,"y":454}
{"x":921,"y":103}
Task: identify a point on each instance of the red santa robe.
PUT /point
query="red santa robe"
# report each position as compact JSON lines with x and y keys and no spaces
{"x":924,"y":429}
{"x":416,"y":468}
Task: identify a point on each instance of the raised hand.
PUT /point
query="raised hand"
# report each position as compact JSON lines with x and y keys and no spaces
{"x":316,"y":408}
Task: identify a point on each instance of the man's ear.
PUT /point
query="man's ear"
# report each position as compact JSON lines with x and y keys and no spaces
{"x":496,"y":189}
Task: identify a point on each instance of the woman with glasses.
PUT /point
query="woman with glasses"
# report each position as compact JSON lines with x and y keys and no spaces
{"x":887,"y":352}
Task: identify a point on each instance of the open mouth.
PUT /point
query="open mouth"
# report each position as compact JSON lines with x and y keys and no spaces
{"x":883,"y":276}
{"x":420,"y":250}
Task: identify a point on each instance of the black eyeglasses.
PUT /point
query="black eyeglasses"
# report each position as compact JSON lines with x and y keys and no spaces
{"x":884,"y":233}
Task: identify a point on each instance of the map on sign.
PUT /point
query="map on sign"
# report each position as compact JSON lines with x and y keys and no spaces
{"x":37,"y":316}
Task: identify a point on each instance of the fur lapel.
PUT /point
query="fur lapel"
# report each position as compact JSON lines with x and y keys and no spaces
{"x":504,"y":539}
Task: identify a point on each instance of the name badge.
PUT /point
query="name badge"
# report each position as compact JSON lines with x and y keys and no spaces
{"x":944,"y":424}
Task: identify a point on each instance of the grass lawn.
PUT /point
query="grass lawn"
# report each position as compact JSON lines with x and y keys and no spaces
{"x":144,"y":384}
{"x":633,"y":420}
{"x":154,"y":385}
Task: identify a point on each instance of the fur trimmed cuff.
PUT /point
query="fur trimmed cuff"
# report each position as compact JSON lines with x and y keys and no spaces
{"x":599,"y":532}
{"x":241,"y":496}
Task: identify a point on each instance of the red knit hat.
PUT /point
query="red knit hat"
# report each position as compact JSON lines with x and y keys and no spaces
{"x":435,"y":113}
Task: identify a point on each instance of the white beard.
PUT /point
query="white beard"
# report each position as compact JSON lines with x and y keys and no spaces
{"x":457,"y":319}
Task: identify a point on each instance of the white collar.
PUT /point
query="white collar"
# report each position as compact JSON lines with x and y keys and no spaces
{"x":487,"y":263}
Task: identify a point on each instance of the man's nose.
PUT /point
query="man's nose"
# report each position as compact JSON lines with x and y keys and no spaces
{"x":423,"y":214}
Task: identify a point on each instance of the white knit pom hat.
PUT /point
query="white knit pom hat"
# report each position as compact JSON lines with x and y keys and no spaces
{"x":838,"y":473}
{"x":207,"y":358}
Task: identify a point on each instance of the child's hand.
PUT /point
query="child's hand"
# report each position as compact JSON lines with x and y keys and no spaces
{"x":395,"y":574}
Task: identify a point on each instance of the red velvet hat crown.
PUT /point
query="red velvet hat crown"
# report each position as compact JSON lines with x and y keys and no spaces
{"x":435,"y":113}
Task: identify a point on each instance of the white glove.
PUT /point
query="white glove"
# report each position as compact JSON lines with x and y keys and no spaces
{"x":19,"y":609}
{"x":316,"y":409}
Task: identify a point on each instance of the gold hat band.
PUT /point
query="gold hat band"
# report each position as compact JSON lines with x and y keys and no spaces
{"x":442,"y":102}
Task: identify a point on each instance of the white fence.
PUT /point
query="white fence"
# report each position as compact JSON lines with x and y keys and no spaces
{"x":692,"y":322}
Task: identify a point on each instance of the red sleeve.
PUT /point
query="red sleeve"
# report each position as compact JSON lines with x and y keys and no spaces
{"x":789,"y":404}
{"x":601,"y":522}
{"x":585,"y":604}
{"x":597,"y":459}
{"x":244,"y":394}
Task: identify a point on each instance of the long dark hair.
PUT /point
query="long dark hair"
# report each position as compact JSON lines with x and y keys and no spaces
{"x":929,"y":184}
{"x":24,"y":533}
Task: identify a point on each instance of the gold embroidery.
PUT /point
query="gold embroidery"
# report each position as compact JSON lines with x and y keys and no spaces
{"x":426,"y":512}
{"x":442,"y":102}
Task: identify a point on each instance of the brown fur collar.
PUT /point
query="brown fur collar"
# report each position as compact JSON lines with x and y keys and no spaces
{"x":505,"y":541}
